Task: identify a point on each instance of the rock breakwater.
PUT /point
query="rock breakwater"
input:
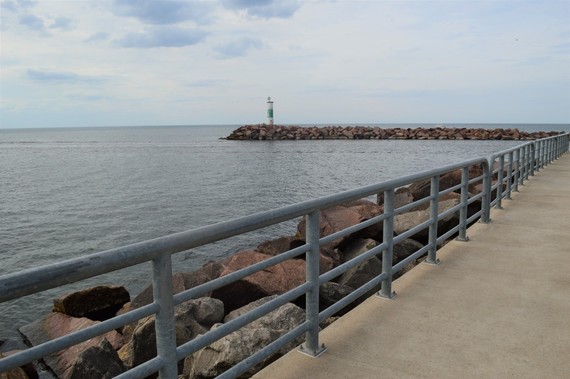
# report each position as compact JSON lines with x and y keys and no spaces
{"x":282,"y":132}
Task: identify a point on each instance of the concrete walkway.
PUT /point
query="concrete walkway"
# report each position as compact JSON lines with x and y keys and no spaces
{"x":497,"y":306}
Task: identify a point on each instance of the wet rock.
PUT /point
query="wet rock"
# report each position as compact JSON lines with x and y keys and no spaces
{"x":213,"y":360}
{"x":96,"y":303}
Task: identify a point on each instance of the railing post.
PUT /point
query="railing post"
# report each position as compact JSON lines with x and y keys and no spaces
{"x":433,"y":215}
{"x":387,"y":254}
{"x":527,"y":161}
{"x":311,"y":345}
{"x":499,"y":181}
{"x":522,"y":157}
{"x":510,"y":176}
{"x":533,"y":166}
{"x":164,"y":323}
{"x":486,"y":199}
{"x":516,"y":172}
{"x":463,"y":210}
{"x":543,"y":153}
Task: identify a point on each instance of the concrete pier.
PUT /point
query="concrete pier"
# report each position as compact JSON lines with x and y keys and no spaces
{"x":498,"y":306}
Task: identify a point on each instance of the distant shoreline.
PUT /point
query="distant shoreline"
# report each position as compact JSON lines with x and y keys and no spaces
{"x":264,"y":132}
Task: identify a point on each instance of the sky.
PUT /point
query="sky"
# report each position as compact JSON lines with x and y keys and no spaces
{"x":125,"y":62}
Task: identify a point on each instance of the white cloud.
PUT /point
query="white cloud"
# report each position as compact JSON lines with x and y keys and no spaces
{"x":238,"y":48}
{"x":163,"y":12}
{"x":162,"y":37}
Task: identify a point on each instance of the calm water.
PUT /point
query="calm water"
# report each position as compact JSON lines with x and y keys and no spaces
{"x":71,"y":192}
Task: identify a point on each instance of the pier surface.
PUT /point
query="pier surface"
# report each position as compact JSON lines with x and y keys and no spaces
{"x":498,"y":306}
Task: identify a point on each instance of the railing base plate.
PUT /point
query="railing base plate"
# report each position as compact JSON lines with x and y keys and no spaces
{"x":315,"y":353}
{"x":389,"y":297}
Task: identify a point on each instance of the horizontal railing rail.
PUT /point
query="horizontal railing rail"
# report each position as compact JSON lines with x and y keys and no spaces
{"x":503,"y":172}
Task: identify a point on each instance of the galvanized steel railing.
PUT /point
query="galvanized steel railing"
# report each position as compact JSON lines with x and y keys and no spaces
{"x":510,"y":168}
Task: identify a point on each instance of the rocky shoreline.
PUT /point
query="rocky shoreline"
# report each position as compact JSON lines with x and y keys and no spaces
{"x":265,"y":132}
{"x":111,"y":354}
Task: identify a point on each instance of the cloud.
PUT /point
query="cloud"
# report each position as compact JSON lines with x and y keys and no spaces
{"x":163,"y":12}
{"x":99,"y":36}
{"x":265,"y":8}
{"x":33,"y":22}
{"x":163,"y":37}
{"x":238,"y":48}
{"x":15,"y":6}
{"x":63,"y":23}
{"x":58,"y":77}
{"x":208,"y":83}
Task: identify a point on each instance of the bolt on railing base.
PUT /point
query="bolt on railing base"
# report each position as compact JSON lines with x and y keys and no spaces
{"x":392,"y":295}
{"x":314,"y":353}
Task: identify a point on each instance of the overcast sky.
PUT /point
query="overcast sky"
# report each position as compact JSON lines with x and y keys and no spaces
{"x":127,"y":62}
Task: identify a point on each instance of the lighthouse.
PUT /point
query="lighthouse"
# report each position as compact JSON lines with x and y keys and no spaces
{"x":269,"y":110}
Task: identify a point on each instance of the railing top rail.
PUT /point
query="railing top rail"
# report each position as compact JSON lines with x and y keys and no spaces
{"x":38,"y":279}
{"x":494,"y":156}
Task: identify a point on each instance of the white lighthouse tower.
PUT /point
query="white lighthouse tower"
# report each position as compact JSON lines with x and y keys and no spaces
{"x":269,"y":111}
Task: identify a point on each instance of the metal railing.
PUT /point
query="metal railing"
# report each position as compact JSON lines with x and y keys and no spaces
{"x":509,"y":169}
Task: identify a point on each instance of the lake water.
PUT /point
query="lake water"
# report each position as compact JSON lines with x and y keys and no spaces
{"x":71,"y":192}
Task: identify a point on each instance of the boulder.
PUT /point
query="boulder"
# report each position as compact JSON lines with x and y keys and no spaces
{"x":180,"y":282}
{"x":191,"y":318}
{"x":330,"y":293}
{"x":343,"y":216}
{"x":422,"y":188}
{"x":29,"y":369}
{"x":216,"y":358}
{"x":15,"y":373}
{"x":71,"y":360}
{"x":403,"y":250}
{"x":96,"y":362}
{"x":365,"y":271}
{"x":279,"y":245}
{"x":98,"y":303}
{"x":406,"y":221}
{"x":327,"y":259}
{"x":273,"y":280}
{"x":402,"y":196}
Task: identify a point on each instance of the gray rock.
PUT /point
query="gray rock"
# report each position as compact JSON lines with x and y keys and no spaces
{"x":406,"y":221}
{"x":213,"y":360}
{"x":363,"y":272}
{"x":331,"y":292}
{"x":97,"y":303}
{"x":191,"y":318}
{"x":180,"y":282}
{"x":96,"y":362}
